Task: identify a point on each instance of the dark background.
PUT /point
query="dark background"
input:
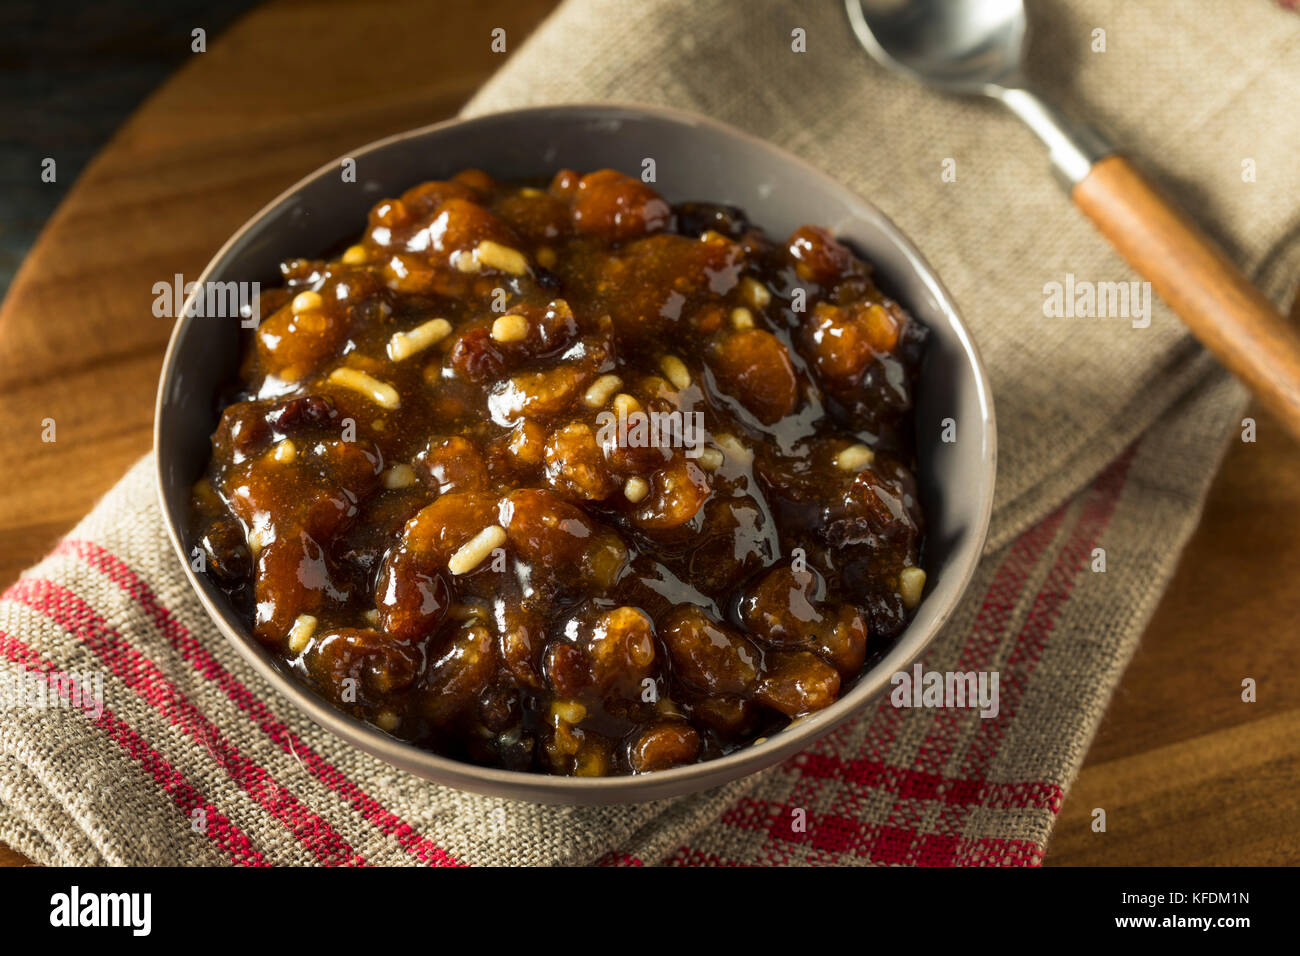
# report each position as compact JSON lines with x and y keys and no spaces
{"x":70,"y":73}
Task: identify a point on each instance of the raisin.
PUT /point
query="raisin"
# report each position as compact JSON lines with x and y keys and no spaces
{"x":819,"y":257}
{"x":412,"y":602}
{"x":475,"y":356}
{"x":665,"y":745}
{"x":225,"y":552}
{"x":754,"y":367}
{"x":798,"y":683}
{"x":460,"y":225}
{"x":616,"y":207}
{"x":458,"y":675}
{"x":561,"y":540}
{"x":575,"y":466}
{"x":709,"y":654}
{"x":450,"y":465}
{"x":678,"y":492}
{"x":363,"y":661}
{"x":697,"y":218}
{"x":426,"y":198}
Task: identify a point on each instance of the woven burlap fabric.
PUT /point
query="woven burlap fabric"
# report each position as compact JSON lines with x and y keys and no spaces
{"x":1109,"y":436}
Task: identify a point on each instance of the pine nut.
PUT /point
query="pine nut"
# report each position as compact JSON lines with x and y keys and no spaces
{"x":303,"y":628}
{"x":754,"y":292}
{"x":599,"y":391}
{"x":854,"y":458}
{"x":405,"y":344}
{"x":284,"y":452}
{"x":567,"y":711}
{"x":399,"y":476}
{"x":387,"y":720}
{"x":636,"y":489}
{"x":676,"y":371}
{"x":470,"y":611}
{"x":477,"y":549}
{"x":381,"y":393}
{"x":668,"y":708}
{"x":546,"y":257}
{"x":256,"y":542}
{"x":625,"y":405}
{"x":502,"y":258}
{"x":711,"y":459}
{"x":733,"y":447}
{"x":911,"y":582}
{"x":510,"y":328}
{"x":354,"y":256}
{"x":306,"y":302}
{"x":742,"y":318}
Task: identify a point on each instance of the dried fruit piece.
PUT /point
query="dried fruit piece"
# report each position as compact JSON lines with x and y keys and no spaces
{"x":575,"y":466}
{"x":754,"y":367}
{"x":616,"y":207}
{"x":459,"y":674}
{"x":361,"y":665}
{"x":708,"y":654}
{"x":665,"y":745}
{"x":798,"y":683}
{"x":819,"y":257}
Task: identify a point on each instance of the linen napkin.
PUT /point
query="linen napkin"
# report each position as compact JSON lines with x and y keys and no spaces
{"x":1110,"y":431}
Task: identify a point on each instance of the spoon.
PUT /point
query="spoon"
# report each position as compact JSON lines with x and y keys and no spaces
{"x":976,"y":47}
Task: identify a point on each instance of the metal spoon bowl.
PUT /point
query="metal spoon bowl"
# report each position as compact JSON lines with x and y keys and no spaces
{"x":960,"y":46}
{"x":974,"y":47}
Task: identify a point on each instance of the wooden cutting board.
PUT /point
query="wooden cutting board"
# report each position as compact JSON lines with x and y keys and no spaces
{"x":1186,"y":772}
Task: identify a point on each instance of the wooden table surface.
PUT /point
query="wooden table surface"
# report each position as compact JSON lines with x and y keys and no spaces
{"x":1186,"y":771}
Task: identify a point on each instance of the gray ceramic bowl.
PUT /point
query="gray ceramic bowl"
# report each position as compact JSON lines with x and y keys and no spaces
{"x":696,"y":159}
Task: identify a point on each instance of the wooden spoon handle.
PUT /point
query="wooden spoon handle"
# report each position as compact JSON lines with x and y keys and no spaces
{"x":1221,"y":307}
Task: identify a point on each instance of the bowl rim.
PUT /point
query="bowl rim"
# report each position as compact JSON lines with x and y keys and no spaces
{"x":547,"y":788}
